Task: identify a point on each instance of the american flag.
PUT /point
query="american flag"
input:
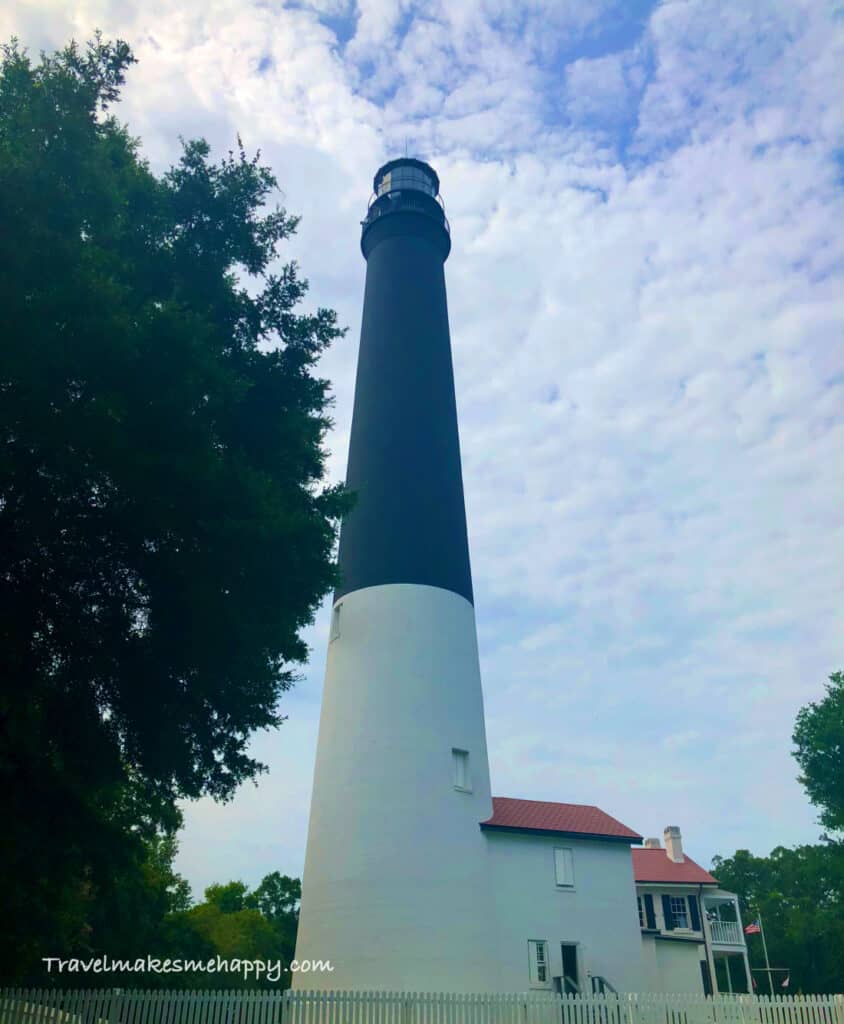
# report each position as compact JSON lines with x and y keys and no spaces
{"x":753,"y":929}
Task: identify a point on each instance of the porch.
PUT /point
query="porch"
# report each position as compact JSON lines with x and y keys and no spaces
{"x":721,"y":911}
{"x":727,"y":946}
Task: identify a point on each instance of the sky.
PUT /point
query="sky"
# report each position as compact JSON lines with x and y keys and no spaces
{"x":646,"y":296}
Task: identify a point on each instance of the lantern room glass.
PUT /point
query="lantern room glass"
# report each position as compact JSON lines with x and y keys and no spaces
{"x":407,"y":177}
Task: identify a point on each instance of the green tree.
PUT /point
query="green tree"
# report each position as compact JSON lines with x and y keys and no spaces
{"x":235,"y":923}
{"x":819,"y":739}
{"x":128,"y":913}
{"x":800,"y":895}
{"x":229,"y":898}
{"x":278,"y":897}
{"x":242,"y":934}
{"x":164,"y":530}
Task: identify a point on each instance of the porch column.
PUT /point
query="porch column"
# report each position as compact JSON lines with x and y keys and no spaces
{"x":746,"y":962}
{"x":747,"y":972}
{"x":707,"y":934}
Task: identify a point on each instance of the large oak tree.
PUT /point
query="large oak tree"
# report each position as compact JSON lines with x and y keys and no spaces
{"x":164,"y":530}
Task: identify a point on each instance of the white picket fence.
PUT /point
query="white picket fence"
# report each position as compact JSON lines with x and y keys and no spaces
{"x":103,"y":1006}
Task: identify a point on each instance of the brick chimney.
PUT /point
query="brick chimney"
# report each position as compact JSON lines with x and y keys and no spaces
{"x":652,"y":844}
{"x":674,"y":844}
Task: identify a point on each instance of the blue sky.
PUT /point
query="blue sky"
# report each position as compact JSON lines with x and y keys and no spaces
{"x":646,"y":294}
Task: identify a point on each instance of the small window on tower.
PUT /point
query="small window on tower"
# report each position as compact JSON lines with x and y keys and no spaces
{"x":334,"y":632}
{"x":462,"y":779}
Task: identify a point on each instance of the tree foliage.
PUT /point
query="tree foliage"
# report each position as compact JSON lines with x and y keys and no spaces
{"x":800,"y":895}
{"x":278,"y":898}
{"x":800,"y":892}
{"x":819,"y":741}
{"x":260,"y":924}
{"x":164,"y":532}
{"x":153,"y":915}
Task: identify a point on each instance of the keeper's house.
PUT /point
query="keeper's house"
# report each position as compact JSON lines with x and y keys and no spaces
{"x":577,"y":909}
{"x":563,"y":896}
{"x":692,"y":938}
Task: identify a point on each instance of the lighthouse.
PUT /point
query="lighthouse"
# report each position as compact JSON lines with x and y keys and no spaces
{"x":396,"y":887}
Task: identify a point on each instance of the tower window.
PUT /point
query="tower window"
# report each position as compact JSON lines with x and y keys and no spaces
{"x":462,"y":778}
{"x":334,"y":632}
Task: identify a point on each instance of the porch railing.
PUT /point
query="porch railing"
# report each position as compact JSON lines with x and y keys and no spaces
{"x":726,"y":931}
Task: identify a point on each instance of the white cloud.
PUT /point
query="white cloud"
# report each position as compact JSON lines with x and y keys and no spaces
{"x":598,"y":88}
{"x":647,"y":355}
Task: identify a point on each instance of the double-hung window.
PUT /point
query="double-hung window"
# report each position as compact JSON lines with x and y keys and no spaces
{"x":538,"y":961}
{"x":680,"y":911}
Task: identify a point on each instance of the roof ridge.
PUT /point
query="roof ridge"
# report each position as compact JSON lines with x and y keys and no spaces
{"x":668,"y":870}
{"x":555,"y":816}
{"x":553,"y":803}
{"x":662,"y":850}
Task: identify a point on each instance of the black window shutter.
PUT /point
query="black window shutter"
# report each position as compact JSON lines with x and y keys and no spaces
{"x":650,"y":917}
{"x":666,"y":913}
{"x":695,"y":913}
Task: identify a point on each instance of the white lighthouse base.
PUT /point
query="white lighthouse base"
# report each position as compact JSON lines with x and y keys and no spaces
{"x":396,"y":891}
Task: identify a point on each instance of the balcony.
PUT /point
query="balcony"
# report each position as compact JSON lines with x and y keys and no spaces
{"x":726,"y":933}
{"x":398,"y":201}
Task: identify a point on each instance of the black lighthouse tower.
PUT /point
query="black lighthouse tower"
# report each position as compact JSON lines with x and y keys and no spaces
{"x":409,"y":524}
{"x":395,"y":890}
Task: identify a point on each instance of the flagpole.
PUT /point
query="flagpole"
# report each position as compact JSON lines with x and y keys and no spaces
{"x":765,"y":950}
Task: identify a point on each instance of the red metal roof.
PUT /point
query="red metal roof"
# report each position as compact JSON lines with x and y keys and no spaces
{"x":657,"y":866}
{"x":544,"y":816}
